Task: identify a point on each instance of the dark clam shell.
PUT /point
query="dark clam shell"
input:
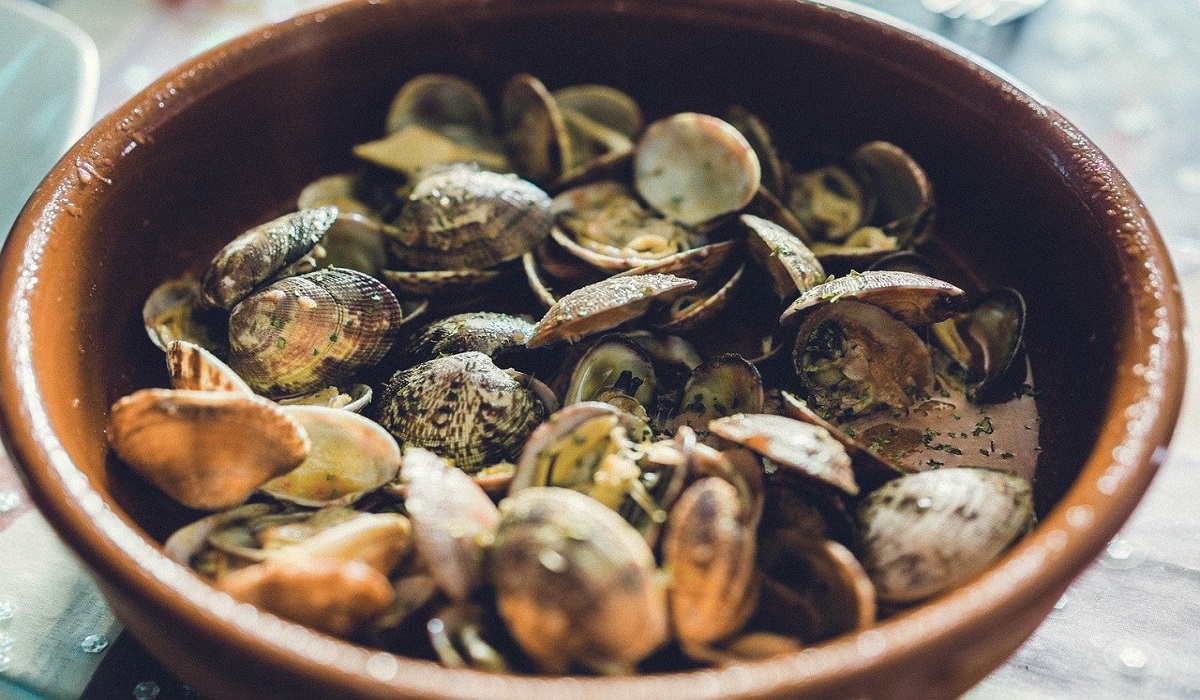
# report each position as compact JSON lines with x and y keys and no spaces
{"x":312,"y":331}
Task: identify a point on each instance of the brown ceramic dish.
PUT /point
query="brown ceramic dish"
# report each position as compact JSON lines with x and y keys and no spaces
{"x":229,"y":138}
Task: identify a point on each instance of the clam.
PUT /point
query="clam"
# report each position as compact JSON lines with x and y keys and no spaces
{"x":590,"y":447}
{"x":828,"y":202}
{"x":439,"y":102}
{"x":349,"y":457}
{"x":453,"y":521}
{"x":461,"y":407}
{"x":604,"y":305}
{"x":723,"y":386}
{"x":870,"y":469}
{"x":694,"y":168}
{"x":334,"y":190}
{"x":705,"y":264}
{"x":461,"y":217}
{"x":858,"y":251}
{"x":928,"y":532}
{"x":194,"y":368}
{"x":593,"y":145}
{"x":804,"y":449}
{"x":355,"y":398}
{"x":853,"y":358}
{"x":815,"y":590}
{"x":307,"y":332}
{"x":553,"y":272}
{"x":699,"y":306}
{"x":330,"y":595}
{"x":912,"y":298}
{"x":355,"y":242}
{"x":603,"y":224}
{"x":534,"y":133}
{"x":457,"y":633}
{"x":206,"y":449}
{"x":603,"y":104}
{"x":985,"y":343}
{"x":175,"y":310}
{"x":792,"y":267}
{"x":254,"y":257}
{"x":576,"y":584}
{"x":903,"y":196}
{"x":616,"y":370}
{"x":414,"y":148}
{"x":189,"y":544}
{"x":759,"y":138}
{"x":709,"y":553}
{"x":493,"y":334}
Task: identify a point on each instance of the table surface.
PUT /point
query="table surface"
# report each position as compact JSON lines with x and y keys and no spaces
{"x":1127,"y":72}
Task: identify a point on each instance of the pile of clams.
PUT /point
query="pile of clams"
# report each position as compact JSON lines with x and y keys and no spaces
{"x":555,"y":390}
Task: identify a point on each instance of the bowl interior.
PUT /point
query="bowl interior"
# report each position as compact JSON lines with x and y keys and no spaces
{"x":229,"y":140}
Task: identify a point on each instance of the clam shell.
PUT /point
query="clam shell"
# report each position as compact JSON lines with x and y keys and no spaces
{"x":792,"y":267}
{"x":329,"y":595}
{"x":853,"y":358}
{"x":534,"y":133}
{"x":816,"y":590}
{"x":553,"y":272}
{"x":805,"y":449}
{"x":461,"y":407}
{"x":902,"y":193}
{"x":928,"y":532}
{"x":258,"y":254}
{"x":379,"y":540}
{"x":603,"y":103}
{"x":436,"y":101}
{"x":709,"y":551}
{"x":431,"y":283}
{"x":354,"y":399}
{"x":575,"y":583}
{"x":828,"y":202}
{"x":414,"y":148}
{"x":602,"y":365}
{"x":454,"y":521}
{"x":350,"y":456}
{"x":870,"y":470}
{"x":334,"y":190}
{"x":188,"y":541}
{"x":308,"y":332}
{"x":206,"y":449}
{"x":704,"y":264}
{"x":702,"y":305}
{"x":593,"y":144}
{"x":192,"y":367}
{"x":603,"y":224}
{"x":723,"y":386}
{"x":464,"y":218}
{"x":543,"y":462}
{"x":355,"y":242}
{"x":694,"y":167}
{"x":175,"y":311}
{"x":914,"y":299}
{"x":493,"y":334}
{"x":604,"y":305}
{"x":759,"y":138}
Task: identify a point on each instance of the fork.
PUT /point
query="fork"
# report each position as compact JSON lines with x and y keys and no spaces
{"x":989,"y":12}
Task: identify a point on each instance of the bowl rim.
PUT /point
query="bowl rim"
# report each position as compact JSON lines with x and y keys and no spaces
{"x":1132,"y":443}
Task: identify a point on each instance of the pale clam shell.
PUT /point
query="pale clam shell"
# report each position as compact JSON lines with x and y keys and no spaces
{"x":792,"y":267}
{"x":925,"y":533}
{"x":206,"y":449}
{"x":534,"y":133}
{"x":604,"y":104}
{"x":175,"y":310}
{"x":349,"y":457}
{"x":438,"y":100}
{"x":694,"y":167}
{"x":802,"y":448}
{"x":912,"y":298}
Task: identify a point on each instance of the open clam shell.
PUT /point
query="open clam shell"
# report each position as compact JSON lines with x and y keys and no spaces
{"x":354,"y":399}
{"x":349,"y":457}
{"x":709,"y":551}
{"x":553,"y":272}
{"x":206,"y":449}
{"x":613,"y":364}
{"x":723,"y":386}
{"x":902,"y":193}
{"x":257,"y":255}
{"x":491,"y":333}
{"x":695,"y":167}
{"x":699,"y":306}
{"x":828,"y":202}
{"x":604,"y":104}
{"x":791,"y":266}
{"x":870,"y":470}
{"x":605,"y":305}
{"x":355,"y":242}
{"x":987,"y":343}
{"x":438,"y":101}
{"x":853,"y":358}
{"x":759,"y":137}
{"x":928,"y":532}
{"x":336,"y":190}
{"x":308,"y":332}
{"x":534,"y":133}
{"x":175,"y":310}
{"x":912,"y":298}
{"x":815,"y":590}
{"x":603,"y":224}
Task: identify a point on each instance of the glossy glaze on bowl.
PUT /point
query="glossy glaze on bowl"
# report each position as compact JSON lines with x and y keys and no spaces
{"x":227,"y":141}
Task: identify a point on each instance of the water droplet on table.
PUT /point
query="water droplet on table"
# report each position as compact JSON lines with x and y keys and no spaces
{"x":9,"y":500}
{"x":1120,"y":554}
{"x":146,"y":690}
{"x":7,"y":609}
{"x":94,"y":643}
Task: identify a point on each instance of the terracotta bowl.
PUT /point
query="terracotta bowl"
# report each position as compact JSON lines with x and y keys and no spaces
{"x":228,"y":139}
